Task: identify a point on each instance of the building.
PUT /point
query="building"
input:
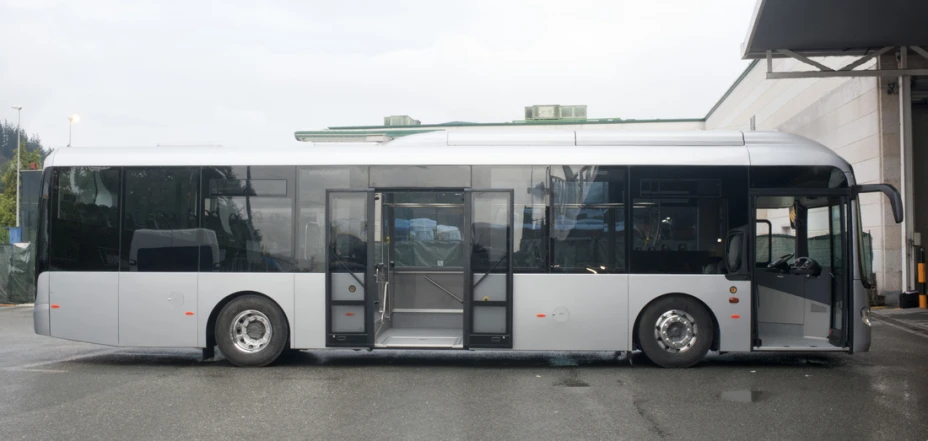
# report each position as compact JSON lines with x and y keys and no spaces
{"x":852,"y":75}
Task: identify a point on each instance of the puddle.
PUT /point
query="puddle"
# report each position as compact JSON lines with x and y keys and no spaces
{"x":563,"y":361}
{"x":744,"y":396}
{"x":572,"y":382}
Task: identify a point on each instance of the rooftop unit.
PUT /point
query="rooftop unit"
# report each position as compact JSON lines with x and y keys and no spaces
{"x":400,"y":121}
{"x":555,"y":112}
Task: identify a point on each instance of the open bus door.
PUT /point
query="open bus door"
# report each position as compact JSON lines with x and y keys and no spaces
{"x":802,"y":276}
{"x":349,"y":268}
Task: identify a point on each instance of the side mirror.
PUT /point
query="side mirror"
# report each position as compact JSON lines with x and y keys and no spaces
{"x":895,"y":199}
{"x":734,"y":255}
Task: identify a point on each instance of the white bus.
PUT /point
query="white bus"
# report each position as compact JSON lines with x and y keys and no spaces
{"x":669,"y":243}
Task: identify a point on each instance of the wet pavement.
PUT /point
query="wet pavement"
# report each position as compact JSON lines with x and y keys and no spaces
{"x":912,"y":318}
{"x":54,"y":389}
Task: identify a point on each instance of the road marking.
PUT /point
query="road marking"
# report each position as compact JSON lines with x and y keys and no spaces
{"x":44,"y":371}
{"x":902,"y":328}
{"x":60,"y":360}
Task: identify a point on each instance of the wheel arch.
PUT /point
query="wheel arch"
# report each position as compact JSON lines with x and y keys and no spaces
{"x":636,"y":344}
{"x":214,"y":315}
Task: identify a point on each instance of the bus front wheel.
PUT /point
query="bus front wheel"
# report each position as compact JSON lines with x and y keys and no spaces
{"x":251,"y":331}
{"x":675,"y":332}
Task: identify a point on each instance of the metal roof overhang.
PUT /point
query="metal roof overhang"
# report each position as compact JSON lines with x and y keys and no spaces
{"x":814,"y":28}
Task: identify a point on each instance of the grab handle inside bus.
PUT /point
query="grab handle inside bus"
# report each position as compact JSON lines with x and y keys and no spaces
{"x":895,"y":198}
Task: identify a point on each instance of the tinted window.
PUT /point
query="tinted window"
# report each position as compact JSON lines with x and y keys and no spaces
{"x":529,"y":184}
{"x":85,"y":219}
{"x":588,"y":219}
{"x":429,"y":176}
{"x":682,"y":217}
{"x":250,"y":211}
{"x":797,"y":177}
{"x":160,"y":226}
{"x":313,"y":183}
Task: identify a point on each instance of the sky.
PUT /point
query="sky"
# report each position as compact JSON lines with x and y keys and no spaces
{"x":249,"y":74}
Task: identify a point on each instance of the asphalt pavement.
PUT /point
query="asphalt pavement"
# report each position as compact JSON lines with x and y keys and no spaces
{"x":58,"y":390}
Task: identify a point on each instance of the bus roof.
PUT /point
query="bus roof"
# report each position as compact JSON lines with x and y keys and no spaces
{"x":599,"y":147}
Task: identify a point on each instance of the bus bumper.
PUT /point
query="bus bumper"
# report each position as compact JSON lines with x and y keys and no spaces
{"x":40,"y":312}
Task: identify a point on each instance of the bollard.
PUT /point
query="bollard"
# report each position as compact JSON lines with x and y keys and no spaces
{"x":922,"y":297}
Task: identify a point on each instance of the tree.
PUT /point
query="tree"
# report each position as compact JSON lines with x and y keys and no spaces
{"x":8,"y":179}
{"x":8,"y":142}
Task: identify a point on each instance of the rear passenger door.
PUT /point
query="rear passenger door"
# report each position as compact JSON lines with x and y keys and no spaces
{"x":160,"y":256}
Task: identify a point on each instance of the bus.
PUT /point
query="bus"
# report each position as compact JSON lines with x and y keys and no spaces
{"x":674,"y":244}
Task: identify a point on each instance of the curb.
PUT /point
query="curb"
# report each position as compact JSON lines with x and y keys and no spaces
{"x":901,"y":323}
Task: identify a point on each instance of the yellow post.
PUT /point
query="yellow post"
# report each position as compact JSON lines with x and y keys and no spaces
{"x":922,"y":298}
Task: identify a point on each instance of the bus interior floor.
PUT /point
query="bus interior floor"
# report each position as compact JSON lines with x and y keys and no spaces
{"x":421,"y":338}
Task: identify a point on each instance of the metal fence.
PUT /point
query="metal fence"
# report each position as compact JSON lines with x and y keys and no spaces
{"x":17,"y":273}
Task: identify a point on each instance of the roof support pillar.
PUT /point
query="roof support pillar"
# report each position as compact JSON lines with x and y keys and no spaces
{"x":906,"y":180}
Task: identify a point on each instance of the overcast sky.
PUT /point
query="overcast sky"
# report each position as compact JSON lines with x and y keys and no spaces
{"x":251,"y":73}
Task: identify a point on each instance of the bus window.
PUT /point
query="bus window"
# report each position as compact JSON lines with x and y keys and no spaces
{"x":313,"y":183}
{"x":588,"y":219}
{"x":529,"y":184}
{"x":160,"y":226}
{"x":683,"y":217}
{"x":85,"y":219}
{"x":250,"y":210}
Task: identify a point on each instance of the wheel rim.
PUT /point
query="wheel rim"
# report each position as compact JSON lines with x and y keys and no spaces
{"x":676,"y":331}
{"x":251,"y":331}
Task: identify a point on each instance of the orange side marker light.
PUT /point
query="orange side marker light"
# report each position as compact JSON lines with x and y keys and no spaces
{"x":349,"y":314}
{"x":735,"y":316}
{"x":541,"y":315}
{"x":189,"y":313}
{"x":55,"y":306}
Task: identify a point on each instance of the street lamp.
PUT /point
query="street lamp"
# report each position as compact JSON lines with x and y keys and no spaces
{"x":19,"y":117}
{"x":72,"y":119}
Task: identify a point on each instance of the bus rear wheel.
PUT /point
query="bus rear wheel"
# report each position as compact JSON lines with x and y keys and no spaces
{"x":675,"y":332}
{"x":251,"y":331}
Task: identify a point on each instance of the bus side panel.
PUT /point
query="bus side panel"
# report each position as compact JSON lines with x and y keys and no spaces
{"x":713,"y":290}
{"x":570,"y":312}
{"x":154,"y":307}
{"x":85,"y":306}
{"x":309,"y":301}
{"x":40,"y":310}
{"x":214,"y":287}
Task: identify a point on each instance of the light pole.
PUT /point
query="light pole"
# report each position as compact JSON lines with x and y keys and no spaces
{"x":19,"y":117}
{"x":71,"y":120}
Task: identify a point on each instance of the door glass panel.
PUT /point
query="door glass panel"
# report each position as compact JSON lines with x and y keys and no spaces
{"x":348,"y":232}
{"x":349,"y":246}
{"x":838,"y":227}
{"x":491,"y":267}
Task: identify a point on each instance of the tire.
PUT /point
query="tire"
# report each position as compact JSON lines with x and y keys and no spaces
{"x":686,"y":324}
{"x":248,"y":343}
